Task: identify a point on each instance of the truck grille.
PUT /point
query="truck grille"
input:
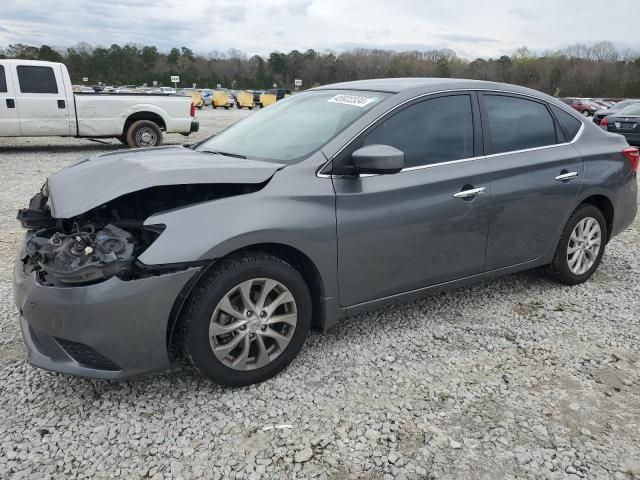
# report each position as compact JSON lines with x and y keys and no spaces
{"x":86,"y":356}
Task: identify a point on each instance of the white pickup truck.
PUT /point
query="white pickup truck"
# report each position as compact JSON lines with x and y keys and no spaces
{"x":36,"y":100}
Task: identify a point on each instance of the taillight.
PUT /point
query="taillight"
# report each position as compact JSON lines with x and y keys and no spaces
{"x":633,"y":155}
{"x":604,"y":123}
{"x":192,"y":110}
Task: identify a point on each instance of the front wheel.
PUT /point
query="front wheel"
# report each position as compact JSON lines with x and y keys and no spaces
{"x":246,"y":320}
{"x":144,"y":133}
{"x":581,"y":246}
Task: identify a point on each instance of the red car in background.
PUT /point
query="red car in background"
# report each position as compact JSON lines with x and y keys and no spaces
{"x":584,"y":106}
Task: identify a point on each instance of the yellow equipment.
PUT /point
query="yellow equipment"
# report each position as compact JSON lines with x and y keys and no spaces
{"x":244,"y":100}
{"x":220,"y":98}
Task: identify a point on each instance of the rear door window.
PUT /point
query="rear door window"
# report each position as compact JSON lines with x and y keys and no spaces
{"x":517,"y":124}
{"x":569,"y":124}
{"x":432,"y":131}
{"x":3,"y":80}
{"x":36,"y":79}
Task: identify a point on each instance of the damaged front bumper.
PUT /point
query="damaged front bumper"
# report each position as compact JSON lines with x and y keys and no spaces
{"x":112,"y":329}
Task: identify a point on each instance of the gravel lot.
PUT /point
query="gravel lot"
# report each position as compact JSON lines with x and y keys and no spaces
{"x":517,"y":378}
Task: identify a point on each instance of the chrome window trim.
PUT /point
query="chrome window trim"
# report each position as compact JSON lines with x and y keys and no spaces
{"x":450,"y":162}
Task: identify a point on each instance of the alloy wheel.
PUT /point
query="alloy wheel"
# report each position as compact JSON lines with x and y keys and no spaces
{"x":253,"y":324}
{"x":584,"y":245}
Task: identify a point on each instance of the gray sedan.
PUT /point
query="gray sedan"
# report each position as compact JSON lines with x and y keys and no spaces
{"x":329,"y":203}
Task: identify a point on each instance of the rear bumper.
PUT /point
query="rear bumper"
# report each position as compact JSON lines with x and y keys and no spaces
{"x":110,"y":330}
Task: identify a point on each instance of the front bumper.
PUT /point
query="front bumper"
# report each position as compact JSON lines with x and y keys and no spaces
{"x":113,"y":329}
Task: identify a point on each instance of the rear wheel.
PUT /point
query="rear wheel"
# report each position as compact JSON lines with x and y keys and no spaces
{"x":246,"y":320}
{"x":581,"y":246}
{"x":144,"y":133}
{"x":586,"y":113}
{"x":122,"y":139}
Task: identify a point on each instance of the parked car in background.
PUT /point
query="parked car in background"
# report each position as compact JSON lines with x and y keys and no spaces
{"x":335,"y":201}
{"x":600,"y":114}
{"x":82,"y":89}
{"x":625,"y":122}
{"x":206,"y":93}
{"x":600,"y":103}
{"x":37,"y":101}
{"x":582,"y":105}
{"x":196,"y":96}
{"x":167,"y":90}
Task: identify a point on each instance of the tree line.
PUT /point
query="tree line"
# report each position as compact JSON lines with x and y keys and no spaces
{"x":598,"y":70}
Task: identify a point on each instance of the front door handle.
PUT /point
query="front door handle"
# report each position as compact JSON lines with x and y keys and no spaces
{"x":566,"y":176}
{"x":61,"y":104}
{"x":473,"y":192}
{"x":11,"y":103}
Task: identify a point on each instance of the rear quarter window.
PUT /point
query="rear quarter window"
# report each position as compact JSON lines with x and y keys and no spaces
{"x":518,"y":124}
{"x":569,"y":124}
{"x":35,"y":79}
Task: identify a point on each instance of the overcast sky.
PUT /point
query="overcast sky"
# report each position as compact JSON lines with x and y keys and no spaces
{"x":471,"y":28}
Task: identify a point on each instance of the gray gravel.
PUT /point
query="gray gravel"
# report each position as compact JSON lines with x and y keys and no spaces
{"x":517,"y":378}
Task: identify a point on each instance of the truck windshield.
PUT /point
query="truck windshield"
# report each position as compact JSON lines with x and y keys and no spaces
{"x":292,"y":128}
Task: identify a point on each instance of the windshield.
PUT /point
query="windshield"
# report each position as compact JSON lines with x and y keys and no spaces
{"x":294,"y":127}
{"x":633,"y":109}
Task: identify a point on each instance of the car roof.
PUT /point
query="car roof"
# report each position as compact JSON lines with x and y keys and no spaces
{"x":397,"y":85}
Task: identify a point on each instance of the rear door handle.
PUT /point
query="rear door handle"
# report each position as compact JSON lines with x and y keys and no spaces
{"x":61,"y":104}
{"x":11,"y":103}
{"x":565,"y":177}
{"x":473,"y":192}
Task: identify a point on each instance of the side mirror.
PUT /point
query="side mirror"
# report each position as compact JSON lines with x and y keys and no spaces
{"x":379,"y":159}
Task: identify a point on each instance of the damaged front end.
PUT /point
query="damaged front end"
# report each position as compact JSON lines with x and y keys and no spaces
{"x":107,"y":240}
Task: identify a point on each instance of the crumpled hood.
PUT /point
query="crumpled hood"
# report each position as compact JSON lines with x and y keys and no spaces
{"x":96,"y":180}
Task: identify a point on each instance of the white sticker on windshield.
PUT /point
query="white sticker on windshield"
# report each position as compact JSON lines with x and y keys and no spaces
{"x":353,"y":100}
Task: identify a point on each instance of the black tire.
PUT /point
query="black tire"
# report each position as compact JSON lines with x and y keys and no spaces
{"x":228,"y":273}
{"x":226,"y":107}
{"x":199,"y":107}
{"x":559,"y":269}
{"x":138,"y":126}
{"x":122,"y":139}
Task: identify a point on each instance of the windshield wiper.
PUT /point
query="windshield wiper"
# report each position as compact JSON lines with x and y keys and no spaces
{"x":226,"y":154}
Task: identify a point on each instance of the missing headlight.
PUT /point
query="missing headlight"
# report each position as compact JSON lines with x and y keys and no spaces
{"x":85,"y":255}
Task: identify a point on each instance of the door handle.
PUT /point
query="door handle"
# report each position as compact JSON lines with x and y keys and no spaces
{"x":473,"y":192}
{"x":61,"y":104}
{"x":11,"y":103}
{"x":565,"y":177}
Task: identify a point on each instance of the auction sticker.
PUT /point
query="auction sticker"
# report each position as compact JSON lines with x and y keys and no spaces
{"x":353,"y":100}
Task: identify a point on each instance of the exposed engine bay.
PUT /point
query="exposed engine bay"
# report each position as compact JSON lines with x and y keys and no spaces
{"x":106,"y":240}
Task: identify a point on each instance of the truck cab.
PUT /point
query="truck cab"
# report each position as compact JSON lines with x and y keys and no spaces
{"x":35,"y":99}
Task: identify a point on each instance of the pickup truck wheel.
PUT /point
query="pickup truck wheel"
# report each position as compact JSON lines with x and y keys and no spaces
{"x":122,"y":139}
{"x":144,"y":133}
{"x":246,"y":320}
